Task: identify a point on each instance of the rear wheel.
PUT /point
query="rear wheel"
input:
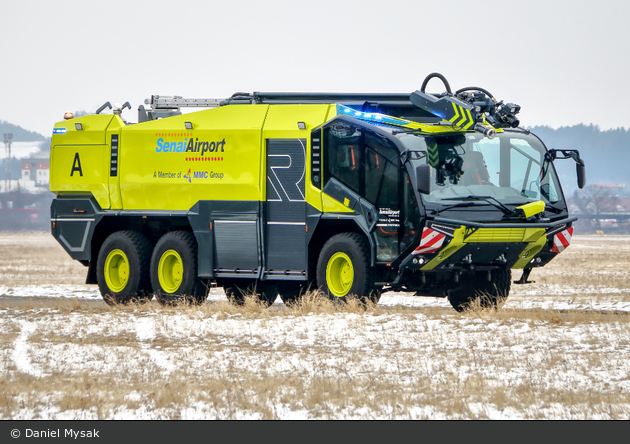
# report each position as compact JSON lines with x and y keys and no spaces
{"x":122,"y":268}
{"x":476,"y":290}
{"x":174,"y":270}
{"x":343,"y":268}
{"x":237,"y":290}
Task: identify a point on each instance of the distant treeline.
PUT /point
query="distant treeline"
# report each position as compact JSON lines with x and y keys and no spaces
{"x":19,"y":133}
{"x":606,"y":153}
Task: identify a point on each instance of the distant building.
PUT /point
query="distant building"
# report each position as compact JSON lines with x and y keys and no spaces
{"x":35,"y":172}
{"x":36,"y":169}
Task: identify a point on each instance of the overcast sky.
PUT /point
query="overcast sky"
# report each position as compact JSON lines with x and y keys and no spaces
{"x":564,"y":62}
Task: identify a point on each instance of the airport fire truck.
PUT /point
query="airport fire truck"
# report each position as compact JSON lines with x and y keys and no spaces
{"x":271,"y":194}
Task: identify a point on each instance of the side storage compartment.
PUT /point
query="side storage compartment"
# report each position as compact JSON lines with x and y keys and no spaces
{"x":229,"y":237}
{"x":73,"y":219}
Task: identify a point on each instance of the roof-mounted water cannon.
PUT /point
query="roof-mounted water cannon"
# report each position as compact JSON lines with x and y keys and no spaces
{"x":468,"y":108}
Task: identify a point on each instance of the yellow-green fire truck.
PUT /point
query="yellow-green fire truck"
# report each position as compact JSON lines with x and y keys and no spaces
{"x":274,"y":193}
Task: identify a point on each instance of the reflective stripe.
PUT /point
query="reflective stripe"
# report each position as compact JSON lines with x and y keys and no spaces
{"x":431,"y":242}
{"x":562,"y":240}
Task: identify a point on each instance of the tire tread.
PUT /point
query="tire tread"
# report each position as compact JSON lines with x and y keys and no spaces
{"x":142,"y":247}
{"x":198,"y":294}
{"x":367,"y":292}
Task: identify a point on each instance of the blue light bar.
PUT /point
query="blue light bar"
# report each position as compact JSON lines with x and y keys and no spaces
{"x":373,"y":117}
{"x":59,"y":131}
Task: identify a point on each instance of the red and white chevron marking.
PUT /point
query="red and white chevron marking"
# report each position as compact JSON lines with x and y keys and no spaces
{"x":430,"y":243}
{"x":562,"y":240}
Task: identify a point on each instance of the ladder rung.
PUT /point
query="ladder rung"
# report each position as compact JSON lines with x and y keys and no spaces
{"x":158,"y":102}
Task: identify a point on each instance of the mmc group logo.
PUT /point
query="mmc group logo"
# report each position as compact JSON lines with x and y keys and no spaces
{"x":188,"y":176}
{"x":202,"y":175}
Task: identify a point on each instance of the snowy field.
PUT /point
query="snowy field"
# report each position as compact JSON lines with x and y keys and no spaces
{"x":558,"y":349}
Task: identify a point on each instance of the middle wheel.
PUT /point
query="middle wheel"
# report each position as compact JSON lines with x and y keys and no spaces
{"x":174,"y":270}
{"x":343,"y":268}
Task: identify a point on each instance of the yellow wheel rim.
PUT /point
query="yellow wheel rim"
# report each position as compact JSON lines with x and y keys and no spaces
{"x":339,"y":274}
{"x":170,"y":271}
{"x":116,"y":270}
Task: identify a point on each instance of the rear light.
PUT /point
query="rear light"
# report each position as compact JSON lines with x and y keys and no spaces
{"x":68,"y":116}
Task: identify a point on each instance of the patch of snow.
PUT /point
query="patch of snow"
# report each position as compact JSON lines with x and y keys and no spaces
{"x":21,"y":349}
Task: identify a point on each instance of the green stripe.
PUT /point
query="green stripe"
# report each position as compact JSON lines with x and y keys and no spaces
{"x":434,"y":156}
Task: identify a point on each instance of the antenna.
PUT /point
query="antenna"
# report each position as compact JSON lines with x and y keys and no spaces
{"x":8,"y":138}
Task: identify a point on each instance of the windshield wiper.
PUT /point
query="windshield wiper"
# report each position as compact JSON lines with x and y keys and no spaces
{"x":491,"y":200}
{"x":406,"y":155}
{"x":553,"y":209}
{"x":459,"y":205}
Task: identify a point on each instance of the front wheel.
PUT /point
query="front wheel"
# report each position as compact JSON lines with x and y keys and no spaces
{"x":174,"y":270}
{"x":122,"y":268}
{"x":343,"y":269}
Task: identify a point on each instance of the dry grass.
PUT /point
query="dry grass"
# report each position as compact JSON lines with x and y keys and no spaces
{"x":240,"y":377}
{"x":71,"y":358}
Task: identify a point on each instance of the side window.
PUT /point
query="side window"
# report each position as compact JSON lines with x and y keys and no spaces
{"x":381,"y":173}
{"x":525,"y":162}
{"x":343,"y":155}
{"x":381,"y":189}
{"x":369,"y":165}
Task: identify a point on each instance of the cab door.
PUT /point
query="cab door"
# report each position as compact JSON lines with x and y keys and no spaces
{"x":285,"y":228}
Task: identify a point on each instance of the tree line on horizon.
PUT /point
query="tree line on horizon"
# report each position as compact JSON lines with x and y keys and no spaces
{"x":606,"y":153}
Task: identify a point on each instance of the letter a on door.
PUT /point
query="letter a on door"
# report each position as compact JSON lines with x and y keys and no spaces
{"x":76,"y":165}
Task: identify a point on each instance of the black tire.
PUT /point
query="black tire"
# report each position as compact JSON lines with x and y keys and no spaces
{"x":174,"y":270}
{"x":237,"y":290}
{"x":478,"y":291}
{"x":346,"y":249}
{"x":129,"y":251}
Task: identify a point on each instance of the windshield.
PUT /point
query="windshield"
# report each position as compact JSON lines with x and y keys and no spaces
{"x":506,"y":168}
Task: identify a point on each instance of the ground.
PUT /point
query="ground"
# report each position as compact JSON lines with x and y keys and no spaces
{"x":558,"y":349}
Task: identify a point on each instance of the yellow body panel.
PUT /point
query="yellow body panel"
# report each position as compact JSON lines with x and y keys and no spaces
{"x":505,"y":235}
{"x":79,"y":158}
{"x":456,"y":243}
{"x":81,"y":169}
{"x":114,"y":186}
{"x":164,"y":166}
{"x":93,"y":132}
{"x":330,"y":205}
{"x":532,"y":249}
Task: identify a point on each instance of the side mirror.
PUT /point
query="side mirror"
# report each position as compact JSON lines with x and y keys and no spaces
{"x":423,"y":179}
{"x":581,"y":173}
